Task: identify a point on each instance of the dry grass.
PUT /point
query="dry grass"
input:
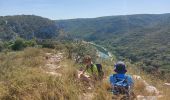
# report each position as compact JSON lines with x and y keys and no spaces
{"x":152,"y":80}
{"x":21,"y":78}
{"x":101,"y":93}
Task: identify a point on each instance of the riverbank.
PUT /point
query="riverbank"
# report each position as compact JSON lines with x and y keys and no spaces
{"x":102,"y":51}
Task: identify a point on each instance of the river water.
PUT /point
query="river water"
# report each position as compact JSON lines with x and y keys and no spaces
{"x":102,"y":52}
{"x":103,"y":55}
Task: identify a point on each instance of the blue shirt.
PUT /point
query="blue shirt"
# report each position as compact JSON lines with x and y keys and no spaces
{"x":121,"y":76}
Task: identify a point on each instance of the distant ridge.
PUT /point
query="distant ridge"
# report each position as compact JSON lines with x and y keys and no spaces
{"x":26,"y":26}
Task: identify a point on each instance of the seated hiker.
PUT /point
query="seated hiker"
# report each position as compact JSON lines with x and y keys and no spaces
{"x":93,"y":70}
{"x":121,"y":83}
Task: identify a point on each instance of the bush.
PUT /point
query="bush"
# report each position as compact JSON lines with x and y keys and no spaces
{"x":30,"y":43}
{"x":18,"y":44}
{"x":79,"y":50}
{"x":47,"y":44}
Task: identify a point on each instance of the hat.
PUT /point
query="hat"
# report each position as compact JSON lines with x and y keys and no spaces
{"x":120,"y":67}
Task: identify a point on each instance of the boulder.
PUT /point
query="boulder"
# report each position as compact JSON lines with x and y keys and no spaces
{"x":152,"y":90}
{"x":136,"y":77}
{"x":167,"y":84}
{"x":140,"y":97}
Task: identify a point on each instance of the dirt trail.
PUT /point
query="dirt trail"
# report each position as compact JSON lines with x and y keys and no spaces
{"x":52,"y":65}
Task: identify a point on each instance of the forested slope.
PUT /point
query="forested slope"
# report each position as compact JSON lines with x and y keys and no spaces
{"x":143,"y":38}
{"x":26,"y":26}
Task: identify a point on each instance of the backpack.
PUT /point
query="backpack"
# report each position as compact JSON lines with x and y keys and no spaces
{"x":121,"y":85}
{"x":100,"y":71}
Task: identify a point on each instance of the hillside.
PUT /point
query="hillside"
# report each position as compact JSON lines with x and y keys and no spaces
{"x":27,"y":26}
{"x":95,"y":28}
{"x":143,"y":38}
{"x":43,"y":74}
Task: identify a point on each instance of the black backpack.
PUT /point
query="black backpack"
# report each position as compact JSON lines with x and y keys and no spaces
{"x":100,"y":71}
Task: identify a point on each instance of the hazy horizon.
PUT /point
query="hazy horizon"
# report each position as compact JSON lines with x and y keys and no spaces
{"x":62,"y":9}
{"x":90,"y":17}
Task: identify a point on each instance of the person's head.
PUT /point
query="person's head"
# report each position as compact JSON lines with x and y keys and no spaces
{"x":120,"y":67}
{"x":87,"y":60}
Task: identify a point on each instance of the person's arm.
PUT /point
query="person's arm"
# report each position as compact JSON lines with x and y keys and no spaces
{"x":84,"y":70}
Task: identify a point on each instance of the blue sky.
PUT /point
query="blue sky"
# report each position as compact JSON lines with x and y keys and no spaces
{"x":68,"y":9}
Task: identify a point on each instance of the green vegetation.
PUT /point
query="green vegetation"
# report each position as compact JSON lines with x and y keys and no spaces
{"x":141,"y":38}
{"x":25,"y":40}
{"x":18,"y":44}
{"x":22,"y":75}
{"x":27,"y":27}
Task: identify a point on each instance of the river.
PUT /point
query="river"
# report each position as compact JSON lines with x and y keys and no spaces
{"x":102,"y":51}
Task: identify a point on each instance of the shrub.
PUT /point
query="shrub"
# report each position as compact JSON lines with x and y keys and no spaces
{"x":18,"y":44}
{"x":30,"y":43}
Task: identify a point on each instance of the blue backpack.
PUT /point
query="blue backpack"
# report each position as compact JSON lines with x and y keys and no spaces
{"x":121,"y":85}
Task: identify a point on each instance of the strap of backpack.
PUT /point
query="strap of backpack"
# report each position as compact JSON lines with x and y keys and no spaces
{"x":92,"y":66}
{"x":125,"y":79}
{"x":115,"y":76}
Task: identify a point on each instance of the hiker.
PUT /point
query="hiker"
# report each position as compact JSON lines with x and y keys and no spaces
{"x":121,"y":83}
{"x":93,"y":70}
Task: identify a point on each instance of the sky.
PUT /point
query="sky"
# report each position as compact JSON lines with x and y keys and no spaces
{"x":69,"y":9}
